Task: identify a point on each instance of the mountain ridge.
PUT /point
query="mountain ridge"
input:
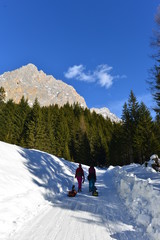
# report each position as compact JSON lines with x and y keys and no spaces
{"x":27,"y":81}
{"x":32,"y":83}
{"x":106,"y":113}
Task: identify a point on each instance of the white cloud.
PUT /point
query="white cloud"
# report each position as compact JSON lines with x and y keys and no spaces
{"x":100,"y":75}
{"x":78,"y":73}
{"x":104,"y":78}
{"x":74,"y":71}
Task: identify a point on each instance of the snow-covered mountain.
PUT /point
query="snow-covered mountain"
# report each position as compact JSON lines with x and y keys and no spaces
{"x":34,"y":203}
{"x":105,"y":112}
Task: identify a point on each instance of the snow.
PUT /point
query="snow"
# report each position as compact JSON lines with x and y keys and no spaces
{"x":139,"y":187}
{"x":34,"y":203}
{"x":105,"y":112}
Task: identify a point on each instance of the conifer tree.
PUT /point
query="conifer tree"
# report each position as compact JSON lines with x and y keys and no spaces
{"x":35,"y":131}
{"x":130,"y":118}
{"x":117,"y":146}
{"x":81,"y":144}
{"x":138,"y":135}
{"x":7,"y":116}
{"x":49,"y":132}
{"x":155,"y":79}
{"x":127,"y":136}
{"x":2,"y":94}
{"x":21,"y":112}
{"x":62,"y":136}
{"x":156,"y":132}
{"x":2,"y":97}
{"x":144,"y":138}
{"x":156,"y":93}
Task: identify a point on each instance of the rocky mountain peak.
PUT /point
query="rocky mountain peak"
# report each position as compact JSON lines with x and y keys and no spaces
{"x":29,"y":82}
{"x":29,"y":67}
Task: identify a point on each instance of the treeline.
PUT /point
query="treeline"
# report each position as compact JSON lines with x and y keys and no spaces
{"x":69,"y":131}
{"x":78,"y":135}
{"x":138,"y":137}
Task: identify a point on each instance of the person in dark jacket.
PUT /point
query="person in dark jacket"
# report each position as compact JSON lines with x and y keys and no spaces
{"x":80,"y":177}
{"x":91,"y":178}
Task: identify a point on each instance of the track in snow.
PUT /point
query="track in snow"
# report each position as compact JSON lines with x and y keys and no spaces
{"x":84,"y":217}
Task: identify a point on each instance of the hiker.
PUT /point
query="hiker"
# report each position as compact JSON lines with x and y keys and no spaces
{"x":92,"y":178}
{"x":80,"y":177}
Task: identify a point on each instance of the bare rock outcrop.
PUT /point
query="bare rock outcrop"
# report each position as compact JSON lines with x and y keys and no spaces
{"x":27,"y":81}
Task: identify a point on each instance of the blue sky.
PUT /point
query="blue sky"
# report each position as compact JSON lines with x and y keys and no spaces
{"x":100,"y":47}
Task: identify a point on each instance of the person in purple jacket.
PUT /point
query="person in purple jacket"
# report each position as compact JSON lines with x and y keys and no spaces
{"x":80,"y":177}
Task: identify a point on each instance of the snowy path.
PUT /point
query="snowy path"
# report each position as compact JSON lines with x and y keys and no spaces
{"x":84,"y":217}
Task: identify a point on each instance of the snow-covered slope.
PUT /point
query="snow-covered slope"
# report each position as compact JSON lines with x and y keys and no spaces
{"x":27,"y":179}
{"x":105,"y":112}
{"x":34,"y":203}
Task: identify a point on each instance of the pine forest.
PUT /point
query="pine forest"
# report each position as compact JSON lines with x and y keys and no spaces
{"x":76,"y":134}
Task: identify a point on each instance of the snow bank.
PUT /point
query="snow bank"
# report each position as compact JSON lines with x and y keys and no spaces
{"x":28,"y":178}
{"x":139,"y":187}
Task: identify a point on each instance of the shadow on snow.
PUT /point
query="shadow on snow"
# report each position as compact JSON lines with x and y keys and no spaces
{"x":56,"y":177}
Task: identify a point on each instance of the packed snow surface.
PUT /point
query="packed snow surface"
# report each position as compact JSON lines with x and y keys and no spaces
{"x":34,"y":203}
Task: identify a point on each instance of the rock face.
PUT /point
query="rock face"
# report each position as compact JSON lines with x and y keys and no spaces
{"x":105,"y":112}
{"x":27,"y":81}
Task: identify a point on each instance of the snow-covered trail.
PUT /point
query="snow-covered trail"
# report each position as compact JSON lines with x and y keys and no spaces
{"x":84,"y":217}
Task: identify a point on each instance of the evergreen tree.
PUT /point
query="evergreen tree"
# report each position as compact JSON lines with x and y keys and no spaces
{"x":35,"y":130}
{"x":144,"y":137}
{"x":49,"y":131}
{"x":81,"y":144}
{"x":2,"y":98}
{"x":130,"y":118}
{"x":156,"y":93}
{"x":62,"y":136}
{"x":21,"y":112}
{"x":2,"y":94}
{"x":156,"y":132}
{"x":127,"y":135}
{"x":117,"y":146}
{"x":155,"y":82}
{"x":138,"y":134}
{"x":7,"y":116}
{"x":54,"y":112}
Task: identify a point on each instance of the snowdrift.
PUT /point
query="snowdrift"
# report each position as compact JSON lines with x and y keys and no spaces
{"x":139,"y":187}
